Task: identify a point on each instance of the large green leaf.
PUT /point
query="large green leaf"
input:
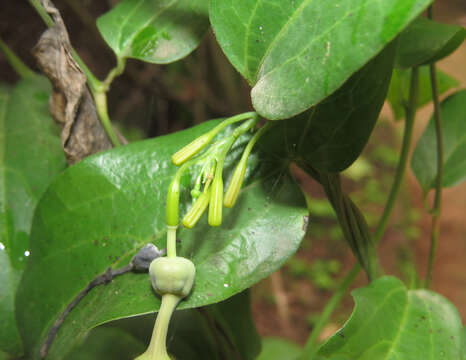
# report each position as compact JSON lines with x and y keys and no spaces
{"x":424,"y":159}
{"x":333,"y":134}
{"x":296,"y":53}
{"x":234,"y":316}
{"x":30,"y":156}
{"x":398,"y":92}
{"x":426,"y":41}
{"x":389,"y":322}
{"x":108,"y":343}
{"x":156,"y":31}
{"x":101,"y":211}
{"x":279,"y":349}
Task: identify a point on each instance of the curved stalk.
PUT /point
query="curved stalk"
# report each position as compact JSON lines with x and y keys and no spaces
{"x":16,"y":63}
{"x":311,"y":349}
{"x":403,"y":161}
{"x":437,"y":208}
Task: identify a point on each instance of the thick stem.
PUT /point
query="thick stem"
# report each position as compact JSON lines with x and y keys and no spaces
{"x":403,"y":161}
{"x":437,"y":208}
{"x":101,"y":105}
{"x":16,"y":63}
{"x":157,"y":349}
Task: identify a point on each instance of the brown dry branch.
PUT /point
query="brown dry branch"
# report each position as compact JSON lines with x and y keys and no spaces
{"x":71,"y":104}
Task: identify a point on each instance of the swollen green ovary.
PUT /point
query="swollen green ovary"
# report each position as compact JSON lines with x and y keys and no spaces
{"x":172,"y":277}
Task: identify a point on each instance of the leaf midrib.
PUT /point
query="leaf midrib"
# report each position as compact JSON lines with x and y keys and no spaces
{"x":285,"y":27}
{"x":130,"y":40}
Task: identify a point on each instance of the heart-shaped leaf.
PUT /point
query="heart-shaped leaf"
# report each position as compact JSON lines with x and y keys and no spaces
{"x":30,"y":156}
{"x":398,"y":92}
{"x":296,"y":53}
{"x":426,"y":41}
{"x":156,"y":31}
{"x":389,"y":322}
{"x":331,"y":136}
{"x":424,"y":159}
{"x":98,"y":214}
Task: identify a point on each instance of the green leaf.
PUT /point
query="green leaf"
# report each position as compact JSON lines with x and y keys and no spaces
{"x":390,"y":322}
{"x":98,"y":214}
{"x":108,"y":343}
{"x":426,"y":41}
{"x":296,"y":53}
{"x":234,"y":315}
{"x":424,"y":159}
{"x":332,"y":135}
{"x":464,"y":343}
{"x":398,"y":92}
{"x":30,"y":156}
{"x":278,"y":349}
{"x":156,"y":31}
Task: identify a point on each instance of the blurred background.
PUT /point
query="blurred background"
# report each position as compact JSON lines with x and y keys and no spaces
{"x":151,"y":100}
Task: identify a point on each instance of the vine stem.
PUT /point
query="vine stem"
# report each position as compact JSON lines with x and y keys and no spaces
{"x":98,"y":88}
{"x":403,"y":161}
{"x":311,"y":349}
{"x":437,"y":208}
{"x":16,"y":63}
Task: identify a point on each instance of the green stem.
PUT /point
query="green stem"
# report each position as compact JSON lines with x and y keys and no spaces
{"x":101,"y":106}
{"x":42,"y":13}
{"x":116,"y":71}
{"x":403,"y":161}
{"x":16,"y":63}
{"x":157,"y":349}
{"x":310,"y":350}
{"x":437,"y":209}
{"x":171,"y":241}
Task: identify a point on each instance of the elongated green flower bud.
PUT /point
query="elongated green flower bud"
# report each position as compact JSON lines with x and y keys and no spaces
{"x":196,"y":211}
{"x":192,"y":149}
{"x":235,"y":185}
{"x":173,"y":200}
{"x":216,"y":199}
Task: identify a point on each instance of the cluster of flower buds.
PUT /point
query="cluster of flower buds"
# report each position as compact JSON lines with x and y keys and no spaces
{"x":208,"y":187}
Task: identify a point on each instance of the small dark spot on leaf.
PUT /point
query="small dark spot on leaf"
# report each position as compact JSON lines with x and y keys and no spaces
{"x":178,"y":241}
{"x":452,"y":337}
{"x":96,"y":242}
{"x":342,"y":335}
{"x":430,"y":331}
{"x":423,"y":317}
{"x":210,"y":294}
{"x":249,"y":209}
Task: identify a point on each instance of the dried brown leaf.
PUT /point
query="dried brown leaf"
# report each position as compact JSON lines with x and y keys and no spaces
{"x":71,"y":104}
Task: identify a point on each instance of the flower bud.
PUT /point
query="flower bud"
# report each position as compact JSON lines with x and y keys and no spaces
{"x":191,"y":149}
{"x":235,"y":185}
{"x":196,"y":211}
{"x":216,"y":200}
